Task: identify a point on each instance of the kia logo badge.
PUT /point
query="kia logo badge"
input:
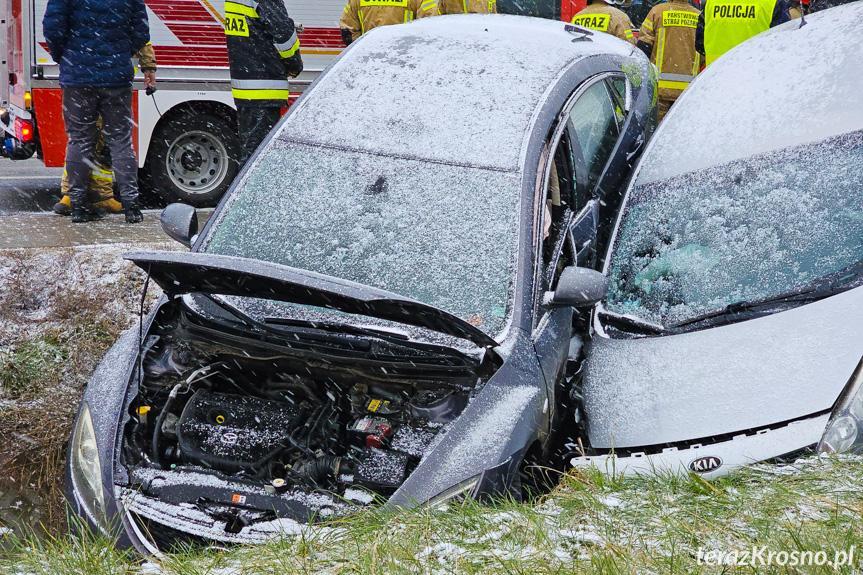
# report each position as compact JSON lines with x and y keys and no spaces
{"x":705,"y":464}
{"x":229,"y":438}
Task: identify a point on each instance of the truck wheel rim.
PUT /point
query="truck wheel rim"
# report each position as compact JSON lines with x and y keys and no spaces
{"x":197,"y":162}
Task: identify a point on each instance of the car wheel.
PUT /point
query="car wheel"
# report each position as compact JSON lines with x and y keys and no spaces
{"x":193,"y":159}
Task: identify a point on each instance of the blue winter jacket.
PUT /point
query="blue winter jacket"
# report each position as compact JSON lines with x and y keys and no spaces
{"x":94,"y":40}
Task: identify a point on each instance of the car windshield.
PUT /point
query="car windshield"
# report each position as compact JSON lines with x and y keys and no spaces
{"x":737,"y":232}
{"x":441,"y":234}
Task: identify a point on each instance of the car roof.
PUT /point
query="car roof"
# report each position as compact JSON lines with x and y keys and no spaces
{"x":787,"y":86}
{"x":456,"y":89}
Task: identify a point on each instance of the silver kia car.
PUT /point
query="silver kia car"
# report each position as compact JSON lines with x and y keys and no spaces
{"x":732,"y":331}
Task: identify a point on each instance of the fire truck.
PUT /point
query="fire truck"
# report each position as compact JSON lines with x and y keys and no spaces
{"x":185,"y":133}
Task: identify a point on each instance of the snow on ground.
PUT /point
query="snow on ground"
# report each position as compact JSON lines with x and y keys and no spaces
{"x":47,"y":294}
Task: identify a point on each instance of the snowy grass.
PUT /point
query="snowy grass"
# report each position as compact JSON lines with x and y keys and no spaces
{"x":60,"y":311}
{"x":591,"y":523}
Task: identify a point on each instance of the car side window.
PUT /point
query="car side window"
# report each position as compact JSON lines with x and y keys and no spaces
{"x":597,"y":127}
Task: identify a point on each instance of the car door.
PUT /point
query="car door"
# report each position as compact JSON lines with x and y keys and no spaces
{"x":586,"y":136}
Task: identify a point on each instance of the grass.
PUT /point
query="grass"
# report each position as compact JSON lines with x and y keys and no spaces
{"x":31,"y":366}
{"x":590,"y":524}
{"x":60,"y":311}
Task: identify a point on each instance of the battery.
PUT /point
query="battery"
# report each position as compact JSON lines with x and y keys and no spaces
{"x":381,"y":470}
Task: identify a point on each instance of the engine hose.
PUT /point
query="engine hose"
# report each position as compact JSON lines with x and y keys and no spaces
{"x":327,"y":409}
{"x":318,"y":469}
{"x":157,"y":432}
{"x":276,"y":389}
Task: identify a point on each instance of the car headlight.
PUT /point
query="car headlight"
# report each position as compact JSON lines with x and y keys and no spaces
{"x":456,"y":494}
{"x":843,"y":430}
{"x":86,"y":467}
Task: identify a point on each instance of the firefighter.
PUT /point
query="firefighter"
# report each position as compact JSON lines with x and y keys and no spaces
{"x":603,"y":16}
{"x":667,"y":36}
{"x":263,"y":50}
{"x":795,"y":10}
{"x":467,"y":6}
{"x":726,"y":23}
{"x":100,"y":186}
{"x":360,"y":16}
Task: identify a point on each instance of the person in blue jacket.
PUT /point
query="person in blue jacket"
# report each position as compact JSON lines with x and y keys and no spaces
{"x":93,"y":42}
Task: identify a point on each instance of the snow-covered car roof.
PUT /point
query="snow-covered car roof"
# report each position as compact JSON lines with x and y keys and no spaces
{"x":472,"y":102}
{"x":787,"y":86}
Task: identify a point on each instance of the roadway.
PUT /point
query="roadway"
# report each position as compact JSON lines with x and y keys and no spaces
{"x":28,"y":192}
{"x":28,"y":186}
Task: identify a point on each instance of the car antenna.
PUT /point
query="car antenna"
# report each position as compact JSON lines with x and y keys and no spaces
{"x":141,"y":327}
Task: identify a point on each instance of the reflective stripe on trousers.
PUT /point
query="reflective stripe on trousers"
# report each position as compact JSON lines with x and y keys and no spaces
{"x":675,"y":81}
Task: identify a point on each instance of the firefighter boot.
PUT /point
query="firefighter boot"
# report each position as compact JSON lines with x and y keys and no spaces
{"x":110,"y":205}
{"x":63,"y":207}
{"x":133,"y":213}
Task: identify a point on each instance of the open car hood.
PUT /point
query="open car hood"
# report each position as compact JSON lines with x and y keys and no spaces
{"x":197,"y":272}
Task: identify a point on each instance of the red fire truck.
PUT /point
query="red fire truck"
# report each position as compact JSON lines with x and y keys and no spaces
{"x":185,"y":134}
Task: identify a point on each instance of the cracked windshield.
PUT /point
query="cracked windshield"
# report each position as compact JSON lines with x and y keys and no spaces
{"x":443,"y":235}
{"x":740,"y":231}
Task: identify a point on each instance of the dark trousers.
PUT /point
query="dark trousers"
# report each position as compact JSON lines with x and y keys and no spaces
{"x":254,"y":124}
{"x":81,"y":107}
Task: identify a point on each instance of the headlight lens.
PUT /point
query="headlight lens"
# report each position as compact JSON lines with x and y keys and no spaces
{"x":456,"y":494}
{"x":843,"y":431}
{"x":86,"y":467}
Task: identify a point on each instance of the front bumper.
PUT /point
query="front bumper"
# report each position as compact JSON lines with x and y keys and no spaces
{"x":714,"y":459}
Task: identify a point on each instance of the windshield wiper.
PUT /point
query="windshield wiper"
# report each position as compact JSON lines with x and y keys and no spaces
{"x":808,"y":294}
{"x":630,"y":323}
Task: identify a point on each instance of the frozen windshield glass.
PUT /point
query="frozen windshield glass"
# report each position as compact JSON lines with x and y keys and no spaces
{"x":740,"y":231}
{"x":440,"y":234}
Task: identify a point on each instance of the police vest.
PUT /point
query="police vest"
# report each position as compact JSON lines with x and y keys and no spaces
{"x":727,"y":23}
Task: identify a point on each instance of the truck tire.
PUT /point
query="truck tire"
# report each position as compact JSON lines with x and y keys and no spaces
{"x":193,"y":159}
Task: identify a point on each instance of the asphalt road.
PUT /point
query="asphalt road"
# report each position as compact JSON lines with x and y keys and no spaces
{"x":28,"y":186}
{"x":28,"y":192}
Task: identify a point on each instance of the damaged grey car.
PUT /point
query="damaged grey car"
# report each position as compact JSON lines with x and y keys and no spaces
{"x":381,"y":309}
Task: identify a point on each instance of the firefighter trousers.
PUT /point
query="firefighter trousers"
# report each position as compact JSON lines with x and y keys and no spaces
{"x":254,"y":123}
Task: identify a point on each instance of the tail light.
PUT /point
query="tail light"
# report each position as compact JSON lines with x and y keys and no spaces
{"x":23,"y":130}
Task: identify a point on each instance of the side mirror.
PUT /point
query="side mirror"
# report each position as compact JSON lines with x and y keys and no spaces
{"x":577,"y":287}
{"x":180,"y":221}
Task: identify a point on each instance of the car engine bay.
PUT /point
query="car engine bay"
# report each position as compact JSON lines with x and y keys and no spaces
{"x":274,"y":419}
